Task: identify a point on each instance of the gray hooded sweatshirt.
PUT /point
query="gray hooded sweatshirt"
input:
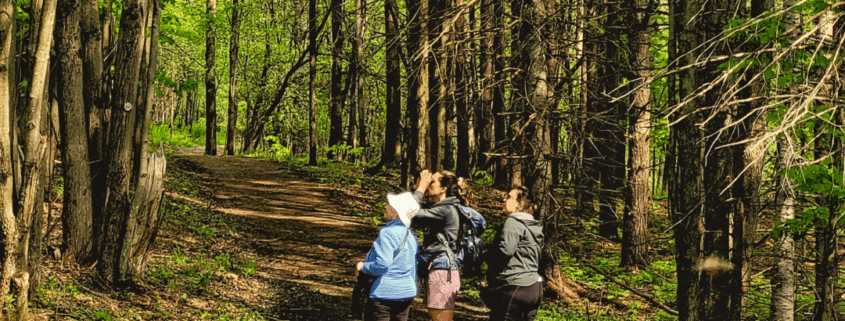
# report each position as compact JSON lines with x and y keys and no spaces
{"x":514,"y":257}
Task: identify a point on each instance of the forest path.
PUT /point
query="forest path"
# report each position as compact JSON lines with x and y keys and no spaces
{"x":306,"y":240}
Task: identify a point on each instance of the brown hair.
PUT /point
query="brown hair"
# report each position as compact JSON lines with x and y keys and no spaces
{"x":457,"y":186}
{"x":525,"y":200}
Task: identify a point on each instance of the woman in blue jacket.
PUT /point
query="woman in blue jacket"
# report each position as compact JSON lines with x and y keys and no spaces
{"x":393,"y":261}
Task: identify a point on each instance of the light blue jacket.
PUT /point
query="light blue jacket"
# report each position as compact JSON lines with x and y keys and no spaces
{"x":396,"y":277}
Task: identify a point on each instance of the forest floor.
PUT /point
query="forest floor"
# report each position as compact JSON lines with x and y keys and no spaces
{"x":242,"y":239}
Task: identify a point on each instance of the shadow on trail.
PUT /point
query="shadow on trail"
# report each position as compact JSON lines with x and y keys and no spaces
{"x":306,"y":243}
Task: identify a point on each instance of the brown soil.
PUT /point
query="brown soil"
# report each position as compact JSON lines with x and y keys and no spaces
{"x":303,"y":236}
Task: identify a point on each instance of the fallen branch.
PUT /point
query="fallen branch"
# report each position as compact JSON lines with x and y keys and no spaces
{"x":640,"y":294}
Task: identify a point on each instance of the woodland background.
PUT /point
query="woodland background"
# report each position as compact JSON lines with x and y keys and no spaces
{"x":688,"y":154}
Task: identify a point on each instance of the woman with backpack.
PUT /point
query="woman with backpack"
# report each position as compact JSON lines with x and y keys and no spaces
{"x":515,"y":286}
{"x":440,"y":223}
{"x":391,"y":263}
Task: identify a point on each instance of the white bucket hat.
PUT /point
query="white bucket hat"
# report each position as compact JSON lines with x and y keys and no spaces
{"x":405,"y":206}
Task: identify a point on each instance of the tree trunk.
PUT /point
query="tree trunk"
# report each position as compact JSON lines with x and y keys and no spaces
{"x":77,"y":209}
{"x":462,"y":123}
{"x":685,"y":151}
{"x":8,"y":227}
{"x":437,"y":83}
{"x":93,"y":92}
{"x":485,"y":115}
{"x":336,"y":114}
{"x":211,"y":80}
{"x":393,"y":108}
{"x":783,"y":280}
{"x":312,"y":83}
{"x":635,"y":220}
{"x":34,"y":146}
{"x":710,"y":231}
{"x":417,"y":102}
{"x":119,"y":164}
{"x":357,"y":79}
{"x":232,"y":122}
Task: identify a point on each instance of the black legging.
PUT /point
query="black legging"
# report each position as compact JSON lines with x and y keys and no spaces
{"x":516,"y":303}
{"x":387,"y":310}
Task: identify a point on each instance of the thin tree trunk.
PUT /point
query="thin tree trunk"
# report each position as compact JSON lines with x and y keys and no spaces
{"x":232,"y":125}
{"x":462,"y":123}
{"x":312,"y":83}
{"x":8,"y":227}
{"x":436,"y":83}
{"x":635,"y":220}
{"x":783,"y":280}
{"x":77,"y":209}
{"x":211,"y":80}
{"x":92,"y":67}
{"x":337,"y":78}
{"x":417,"y":107}
{"x":34,"y":147}
{"x":119,"y":164}
{"x":393,"y":109}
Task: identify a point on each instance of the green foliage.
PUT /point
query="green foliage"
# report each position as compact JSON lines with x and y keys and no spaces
{"x":483,"y":178}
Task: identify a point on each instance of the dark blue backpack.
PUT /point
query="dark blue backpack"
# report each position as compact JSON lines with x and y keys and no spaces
{"x":471,"y":246}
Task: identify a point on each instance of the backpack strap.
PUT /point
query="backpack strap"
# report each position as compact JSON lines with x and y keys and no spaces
{"x":402,"y":245}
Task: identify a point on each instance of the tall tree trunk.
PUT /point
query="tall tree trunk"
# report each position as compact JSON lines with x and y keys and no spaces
{"x":119,"y":164}
{"x":685,"y":152}
{"x":8,"y":227}
{"x":606,"y":131}
{"x":493,"y":74}
{"x":709,"y":229}
{"x":436,"y":83}
{"x":34,"y":146}
{"x":635,"y":220}
{"x":360,"y":93}
{"x":77,"y":209}
{"x":827,"y":303}
{"x":149,"y":168}
{"x":93,"y":92}
{"x":783,"y":279}
{"x":393,"y":108}
{"x":485,"y":115}
{"x":232,"y":122}
{"x":337,"y":78}
{"x":211,"y":80}
{"x":417,"y":102}
{"x":312,"y":83}
{"x":462,"y":123}
{"x":357,"y":78}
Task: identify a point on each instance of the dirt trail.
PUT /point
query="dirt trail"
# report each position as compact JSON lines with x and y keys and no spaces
{"x":306,"y":241}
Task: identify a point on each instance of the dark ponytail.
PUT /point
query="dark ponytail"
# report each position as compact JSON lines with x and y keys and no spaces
{"x":457,"y":187}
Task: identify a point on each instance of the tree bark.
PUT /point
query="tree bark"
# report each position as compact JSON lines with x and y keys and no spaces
{"x":312,"y":83}
{"x":119,"y":164}
{"x":491,"y":94}
{"x":34,"y":146}
{"x":93,"y":95}
{"x":417,"y":102}
{"x":783,"y":280}
{"x":462,"y":123}
{"x":211,"y":80}
{"x":232,"y":121}
{"x":437,"y":83}
{"x":336,"y":113}
{"x":8,"y":227}
{"x":77,"y":209}
{"x":638,"y":196}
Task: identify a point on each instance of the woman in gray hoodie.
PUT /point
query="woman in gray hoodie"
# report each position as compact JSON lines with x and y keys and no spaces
{"x":516,"y":288}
